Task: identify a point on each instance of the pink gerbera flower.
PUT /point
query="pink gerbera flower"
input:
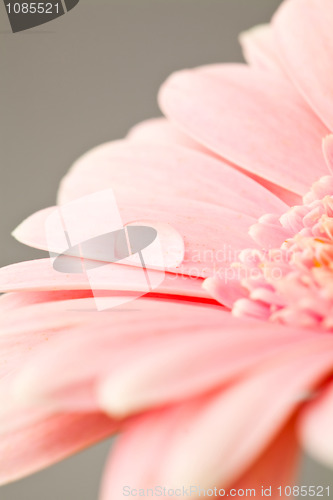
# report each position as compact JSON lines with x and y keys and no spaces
{"x":220,"y":375}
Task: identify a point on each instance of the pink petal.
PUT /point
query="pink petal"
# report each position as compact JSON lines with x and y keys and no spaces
{"x":161,"y":131}
{"x":39,"y":442}
{"x":111,"y":333}
{"x":226,"y":289}
{"x":251,"y":309}
{"x":288,"y":197}
{"x":112,"y":345}
{"x":259,"y":49}
{"x":323,"y":187}
{"x":252,"y":118}
{"x":39,"y":275}
{"x":328,"y":151}
{"x":32,"y":230}
{"x":42,"y":318}
{"x":168,"y":361}
{"x":24,"y":333}
{"x":31,"y":439}
{"x":166,"y":171}
{"x":169,"y":369}
{"x":304,"y":37}
{"x":252,"y":411}
{"x":137,"y":453}
{"x":37,"y":324}
{"x":16,"y":300}
{"x":269,"y":233}
{"x":213,"y":440}
{"x":276,"y":467}
{"x":316,"y":426}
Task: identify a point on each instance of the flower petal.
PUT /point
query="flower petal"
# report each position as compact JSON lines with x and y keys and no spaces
{"x":23,"y":334}
{"x":328,"y":151}
{"x":40,"y":441}
{"x":213,"y":440}
{"x":168,"y":369}
{"x":34,"y":438}
{"x":238,"y":424}
{"x":251,"y":118}
{"x":161,"y":131}
{"x":316,"y":429}
{"x":276,"y":467}
{"x":226,"y":289}
{"x":304,"y":35}
{"x":115,"y":341}
{"x":127,"y":371}
{"x":165,"y":171}
{"x":259,"y":49}
{"x":39,"y":275}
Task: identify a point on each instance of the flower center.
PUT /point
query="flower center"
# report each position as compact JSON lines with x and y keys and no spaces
{"x":293,"y":283}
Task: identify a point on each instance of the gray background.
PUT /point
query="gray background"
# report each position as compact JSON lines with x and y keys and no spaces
{"x":83,"y":79}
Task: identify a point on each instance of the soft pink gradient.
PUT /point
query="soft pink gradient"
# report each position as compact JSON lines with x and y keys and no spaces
{"x":199,"y":395}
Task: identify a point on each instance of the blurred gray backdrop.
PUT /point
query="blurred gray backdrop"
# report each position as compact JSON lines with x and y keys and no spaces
{"x":83,"y":79}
